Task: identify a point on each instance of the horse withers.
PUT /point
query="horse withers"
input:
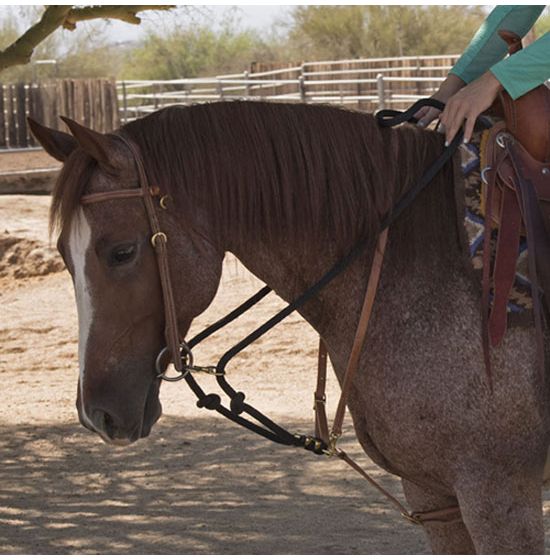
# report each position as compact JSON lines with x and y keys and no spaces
{"x":289,"y":189}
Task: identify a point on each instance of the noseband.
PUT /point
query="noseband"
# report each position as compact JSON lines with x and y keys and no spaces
{"x":180,"y":351}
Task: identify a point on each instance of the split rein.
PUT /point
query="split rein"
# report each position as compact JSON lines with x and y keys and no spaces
{"x":324,"y":442}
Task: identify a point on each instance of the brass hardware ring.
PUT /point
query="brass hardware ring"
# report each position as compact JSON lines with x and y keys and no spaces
{"x":158,"y":235}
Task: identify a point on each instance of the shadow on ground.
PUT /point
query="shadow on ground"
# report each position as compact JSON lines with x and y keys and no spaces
{"x":199,"y":487}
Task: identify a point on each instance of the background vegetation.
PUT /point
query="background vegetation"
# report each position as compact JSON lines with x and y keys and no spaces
{"x":194,"y":43}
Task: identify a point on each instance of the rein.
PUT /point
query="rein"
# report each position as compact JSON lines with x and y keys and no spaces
{"x":325,"y":441}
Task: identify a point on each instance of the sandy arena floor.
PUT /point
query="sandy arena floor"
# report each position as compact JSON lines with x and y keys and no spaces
{"x":198,"y":484}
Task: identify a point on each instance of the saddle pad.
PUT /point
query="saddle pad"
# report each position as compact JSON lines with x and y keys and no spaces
{"x":520,"y":302}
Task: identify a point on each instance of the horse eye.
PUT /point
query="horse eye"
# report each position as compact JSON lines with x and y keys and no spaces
{"x":122,"y":254}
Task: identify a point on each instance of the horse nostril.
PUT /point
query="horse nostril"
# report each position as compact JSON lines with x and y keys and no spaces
{"x":114,"y":429}
{"x":104,"y":423}
{"x":108,"y":425}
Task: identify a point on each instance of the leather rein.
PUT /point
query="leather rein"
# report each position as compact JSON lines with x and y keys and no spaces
{"x":180,"y":352}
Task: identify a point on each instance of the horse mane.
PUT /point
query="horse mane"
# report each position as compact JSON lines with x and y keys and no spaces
{"x":270,"y":168}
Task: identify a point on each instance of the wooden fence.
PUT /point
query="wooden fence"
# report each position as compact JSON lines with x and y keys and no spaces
{"x":368,"y":84}
{"x":91,"y":102}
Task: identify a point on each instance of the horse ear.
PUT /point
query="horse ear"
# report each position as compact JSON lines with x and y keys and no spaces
{"x":58,"y":144}
{"x":95,"y":144}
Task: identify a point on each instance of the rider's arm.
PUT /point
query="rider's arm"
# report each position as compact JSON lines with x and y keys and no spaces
{"x":526,"y":70}
{"x":486,"y":48}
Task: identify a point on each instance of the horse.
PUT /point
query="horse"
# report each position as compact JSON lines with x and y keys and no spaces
{"x":289,"y":189}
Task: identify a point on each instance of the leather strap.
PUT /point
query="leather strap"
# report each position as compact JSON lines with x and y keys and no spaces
{"x":111,"y":195}
{"x":360,"y":333}
{"x":321,"y":422}
{"x":159,"y":241}
{"x":505,"y":263}
{"x":445,"y":515}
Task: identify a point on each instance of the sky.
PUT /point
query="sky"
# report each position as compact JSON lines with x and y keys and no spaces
{"x":259,"y":17}
{"x":254,"y":16}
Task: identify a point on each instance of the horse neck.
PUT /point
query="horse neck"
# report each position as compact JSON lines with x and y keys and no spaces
{"x":423,"y":253}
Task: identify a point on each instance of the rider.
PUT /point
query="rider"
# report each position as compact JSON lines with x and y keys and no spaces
{"x":481,"y":72}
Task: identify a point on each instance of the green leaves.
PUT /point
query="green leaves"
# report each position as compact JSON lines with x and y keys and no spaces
{"x":331,"y":32}
{"x":190,"y":50}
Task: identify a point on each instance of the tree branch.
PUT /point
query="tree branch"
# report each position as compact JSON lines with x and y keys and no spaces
{"x":123,"y":13}
{"x":20,"y":51}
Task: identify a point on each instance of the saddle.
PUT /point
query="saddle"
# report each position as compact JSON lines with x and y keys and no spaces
{"x":517,"y":202}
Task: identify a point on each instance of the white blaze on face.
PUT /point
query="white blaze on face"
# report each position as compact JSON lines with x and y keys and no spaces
{"x":79,"y":242}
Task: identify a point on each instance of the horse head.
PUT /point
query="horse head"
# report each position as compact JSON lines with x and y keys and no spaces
{"x":108,"y":252}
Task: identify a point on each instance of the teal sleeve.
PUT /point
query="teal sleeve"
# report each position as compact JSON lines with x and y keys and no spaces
{"x":526,"y":69}
{"x":487,"y":48}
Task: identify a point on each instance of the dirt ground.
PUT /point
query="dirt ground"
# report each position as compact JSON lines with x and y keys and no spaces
{"x":26,"y":160}
{"x":198,"y":484}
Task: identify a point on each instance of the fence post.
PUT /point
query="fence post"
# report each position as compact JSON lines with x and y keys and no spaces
{"x":3,"y":142}
{"x":20,"y":94}
{"x":418,"y":73}
{"x":302,"y":84}
{"x":155,"y":98}
{"x":302,"y":87}
{"x":124,"y":102}
{"x":247,"y":85}
{"x":381,"y":92}
{"x":220,"y":89}
{"x":186,"y":92}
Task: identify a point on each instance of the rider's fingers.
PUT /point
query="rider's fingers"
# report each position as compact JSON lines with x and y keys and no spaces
{"x":421,"y":112}
{"x":452,"y":127}
{"x":452,"y":119}
{"x":430,"y":114}
{"x":469,"y":127}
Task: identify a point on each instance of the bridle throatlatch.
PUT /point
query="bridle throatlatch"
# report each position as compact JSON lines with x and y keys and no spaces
{"x":180,"y":352}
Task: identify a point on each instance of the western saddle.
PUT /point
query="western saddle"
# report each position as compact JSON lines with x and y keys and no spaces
{"x":517,"y":201}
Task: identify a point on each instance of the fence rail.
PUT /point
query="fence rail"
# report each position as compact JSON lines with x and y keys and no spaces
{"x":365,"y":83}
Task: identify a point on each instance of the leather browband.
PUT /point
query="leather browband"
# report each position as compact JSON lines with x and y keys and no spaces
{"x":111,"y":195}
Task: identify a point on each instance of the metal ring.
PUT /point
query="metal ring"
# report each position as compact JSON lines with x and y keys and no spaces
{"x":501,"y":139}
{"x":158,"y":235}
{"x":483,"y":173}
{"x":186,"y":358}
{"x":162,"y":202}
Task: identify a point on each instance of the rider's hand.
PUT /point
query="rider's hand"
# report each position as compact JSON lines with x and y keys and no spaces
{"x":447,"y":89}
{"x":467,"y":104}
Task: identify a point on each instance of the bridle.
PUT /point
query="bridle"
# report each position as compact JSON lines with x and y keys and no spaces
{"x":325,"y":441}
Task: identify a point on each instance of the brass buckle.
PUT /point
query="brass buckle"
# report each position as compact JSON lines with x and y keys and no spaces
{"x":316,"y":400}
{"x":411,"y":518}
{"x":332,"y":450}
{"x":158,"y":235}
{"x":317,"y":443}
